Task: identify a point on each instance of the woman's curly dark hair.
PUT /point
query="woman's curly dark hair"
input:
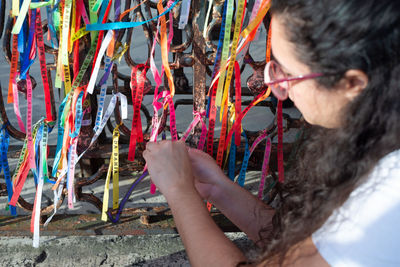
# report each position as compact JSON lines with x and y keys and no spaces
{"x":333,"y":37}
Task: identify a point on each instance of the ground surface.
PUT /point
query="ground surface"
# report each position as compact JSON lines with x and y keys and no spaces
{"x":149,"y":250}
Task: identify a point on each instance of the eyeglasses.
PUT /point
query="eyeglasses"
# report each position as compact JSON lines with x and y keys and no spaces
{"x":277,"y":80}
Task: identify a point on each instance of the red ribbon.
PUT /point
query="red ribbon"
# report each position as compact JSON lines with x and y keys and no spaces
{"x":137,"y":97}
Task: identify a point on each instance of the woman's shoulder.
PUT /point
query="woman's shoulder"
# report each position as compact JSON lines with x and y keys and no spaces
{"x":387,"y":166}
{"x":385,"y":176}
{"x":364,"y":231}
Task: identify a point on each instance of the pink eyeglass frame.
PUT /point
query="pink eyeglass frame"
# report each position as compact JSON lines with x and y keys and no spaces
{"x":274,"y":89}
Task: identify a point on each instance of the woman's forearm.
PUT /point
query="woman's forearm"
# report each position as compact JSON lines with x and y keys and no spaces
{"x":242,"y":208}
{"x":205,"y":243}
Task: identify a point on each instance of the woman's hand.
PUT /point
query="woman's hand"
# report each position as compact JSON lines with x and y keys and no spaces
{"x":208,"y":176}
{"x":169,"y":166}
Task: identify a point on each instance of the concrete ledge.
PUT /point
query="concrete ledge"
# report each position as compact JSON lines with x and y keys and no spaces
{"x":110,"y":250}
{"x":142,"y":237}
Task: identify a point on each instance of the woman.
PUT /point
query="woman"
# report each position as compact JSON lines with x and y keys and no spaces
{"x":341,"y":204}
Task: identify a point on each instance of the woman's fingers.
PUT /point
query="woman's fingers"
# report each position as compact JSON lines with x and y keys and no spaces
{"x":169,"y":165}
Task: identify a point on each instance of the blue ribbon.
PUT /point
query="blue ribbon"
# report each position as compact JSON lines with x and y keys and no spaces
{"x":56,"y":4}
{"x":21,"y":35}
{"x":79,"y":115}
{"x":60,"y":137}
{"x":245,"y":163}
{"x":103,"y":90}
{"x":103,"y":10}
{"x":124,"y":25}
{"x":5,"y":141}
{"x":107,"y":71}
{"x":26,"y":62}
{"x":50,"y":23}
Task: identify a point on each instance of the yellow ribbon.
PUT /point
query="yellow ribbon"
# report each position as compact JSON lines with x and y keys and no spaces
{"x":114,"y":169}
{"x":236,"y":34}
{"x":67,"y":79}
{"x":79,"y":34}
{"x":15,"y":8}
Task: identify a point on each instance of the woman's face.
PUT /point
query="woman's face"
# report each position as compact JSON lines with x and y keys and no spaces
{"x":318,"y":105}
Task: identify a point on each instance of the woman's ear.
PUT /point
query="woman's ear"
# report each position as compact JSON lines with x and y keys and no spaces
{"x":354,"y":82}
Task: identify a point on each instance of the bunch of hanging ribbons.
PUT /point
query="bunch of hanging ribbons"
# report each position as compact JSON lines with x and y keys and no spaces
{"x":67,"y":22}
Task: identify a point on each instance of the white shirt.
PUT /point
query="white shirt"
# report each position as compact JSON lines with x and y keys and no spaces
{"x":365,"y":231}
